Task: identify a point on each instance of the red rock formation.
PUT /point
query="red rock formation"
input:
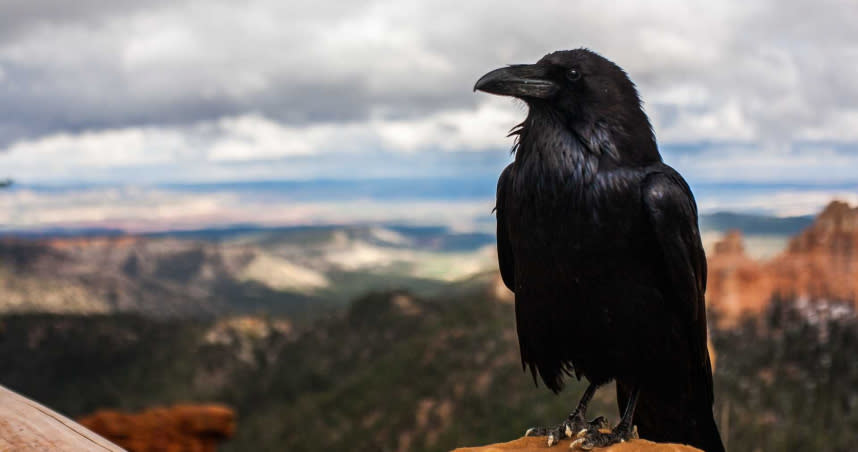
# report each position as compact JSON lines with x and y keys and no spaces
{"x":180,"y":428}
{"x":821,"y":263}
{"x":736,"y":284}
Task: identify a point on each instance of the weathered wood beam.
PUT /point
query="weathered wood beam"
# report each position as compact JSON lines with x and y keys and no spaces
{"x":27,"y":426}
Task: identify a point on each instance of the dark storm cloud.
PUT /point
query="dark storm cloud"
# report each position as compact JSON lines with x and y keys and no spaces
{"x":21,"y":16}
{"x":83,"y":67}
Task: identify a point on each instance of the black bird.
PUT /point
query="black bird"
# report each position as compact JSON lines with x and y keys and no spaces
{"x":598,"y":238}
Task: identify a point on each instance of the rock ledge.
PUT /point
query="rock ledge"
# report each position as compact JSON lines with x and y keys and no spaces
{"x":536,"y":443}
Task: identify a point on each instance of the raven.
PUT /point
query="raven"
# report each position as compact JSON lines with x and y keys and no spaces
{"x":599,"y":241}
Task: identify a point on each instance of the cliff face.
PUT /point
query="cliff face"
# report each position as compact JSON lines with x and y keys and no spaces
{"x":821,"y":263}
{"x":180,"y":428}
{"x":736,"y":284}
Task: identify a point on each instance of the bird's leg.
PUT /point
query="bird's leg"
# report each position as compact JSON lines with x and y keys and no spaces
{"x":574,"y":424}
{"x":624,"y":431}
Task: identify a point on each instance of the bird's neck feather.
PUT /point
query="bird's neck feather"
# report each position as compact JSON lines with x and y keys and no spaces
{"x":547,"y":133}
{"x":552,"y":153}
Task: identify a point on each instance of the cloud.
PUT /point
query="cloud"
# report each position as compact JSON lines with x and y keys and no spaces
{"x":240,"y":141}
{"x":252,"y":137}
{"x":759,"y":93}
{"x":767,"y":72}
{"x":22,"y":16}
{"x":254,"y":147}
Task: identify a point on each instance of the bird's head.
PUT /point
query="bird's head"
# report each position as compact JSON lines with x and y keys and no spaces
{"x":593,"y":96}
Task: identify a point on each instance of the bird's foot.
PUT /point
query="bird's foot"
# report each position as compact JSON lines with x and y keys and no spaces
{"x":573,"y":425}
{"x":590,"y":439}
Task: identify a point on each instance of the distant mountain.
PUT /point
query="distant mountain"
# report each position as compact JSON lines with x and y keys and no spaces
{"x":158,"y":277}
{"x":212,"y":272}
{"x":751,"y":224}
{"x":299,"y":270}
{"x":437,"y":238}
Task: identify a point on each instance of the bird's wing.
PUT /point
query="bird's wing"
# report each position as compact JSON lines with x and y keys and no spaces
{"x":505,"y":257}
{"x":672,"y":213}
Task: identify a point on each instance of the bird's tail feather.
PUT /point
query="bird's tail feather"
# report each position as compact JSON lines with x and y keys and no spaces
{"x":689,"y":421}
{"x":706,"y":435}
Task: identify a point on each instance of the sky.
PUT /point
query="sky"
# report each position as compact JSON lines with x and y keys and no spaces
{"x":123,"y":102}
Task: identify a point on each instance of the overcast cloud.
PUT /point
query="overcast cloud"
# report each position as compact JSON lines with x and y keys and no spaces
{"x":91,"y":85}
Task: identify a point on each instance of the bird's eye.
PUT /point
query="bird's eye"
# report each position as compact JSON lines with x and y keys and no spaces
{"x":573,"y":74}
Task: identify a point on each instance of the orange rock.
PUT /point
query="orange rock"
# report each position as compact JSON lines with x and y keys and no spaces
{"x":736,"y":283}
{"x":533,"y":443}
{"x":821,"y":263}
{"x":180,"y":428}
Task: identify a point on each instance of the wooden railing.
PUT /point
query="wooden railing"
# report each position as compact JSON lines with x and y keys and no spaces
{"x":27,"y":426}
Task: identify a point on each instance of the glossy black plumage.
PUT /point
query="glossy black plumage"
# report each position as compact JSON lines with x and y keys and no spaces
{"x":599,"y":240}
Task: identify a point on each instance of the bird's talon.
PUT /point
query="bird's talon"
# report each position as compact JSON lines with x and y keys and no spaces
{"x":594,"y":438}
{"x":529,"y":431}
{"x":551,"y":440}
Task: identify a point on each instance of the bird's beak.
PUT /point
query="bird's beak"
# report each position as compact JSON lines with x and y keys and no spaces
{"x":520,"y":80}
